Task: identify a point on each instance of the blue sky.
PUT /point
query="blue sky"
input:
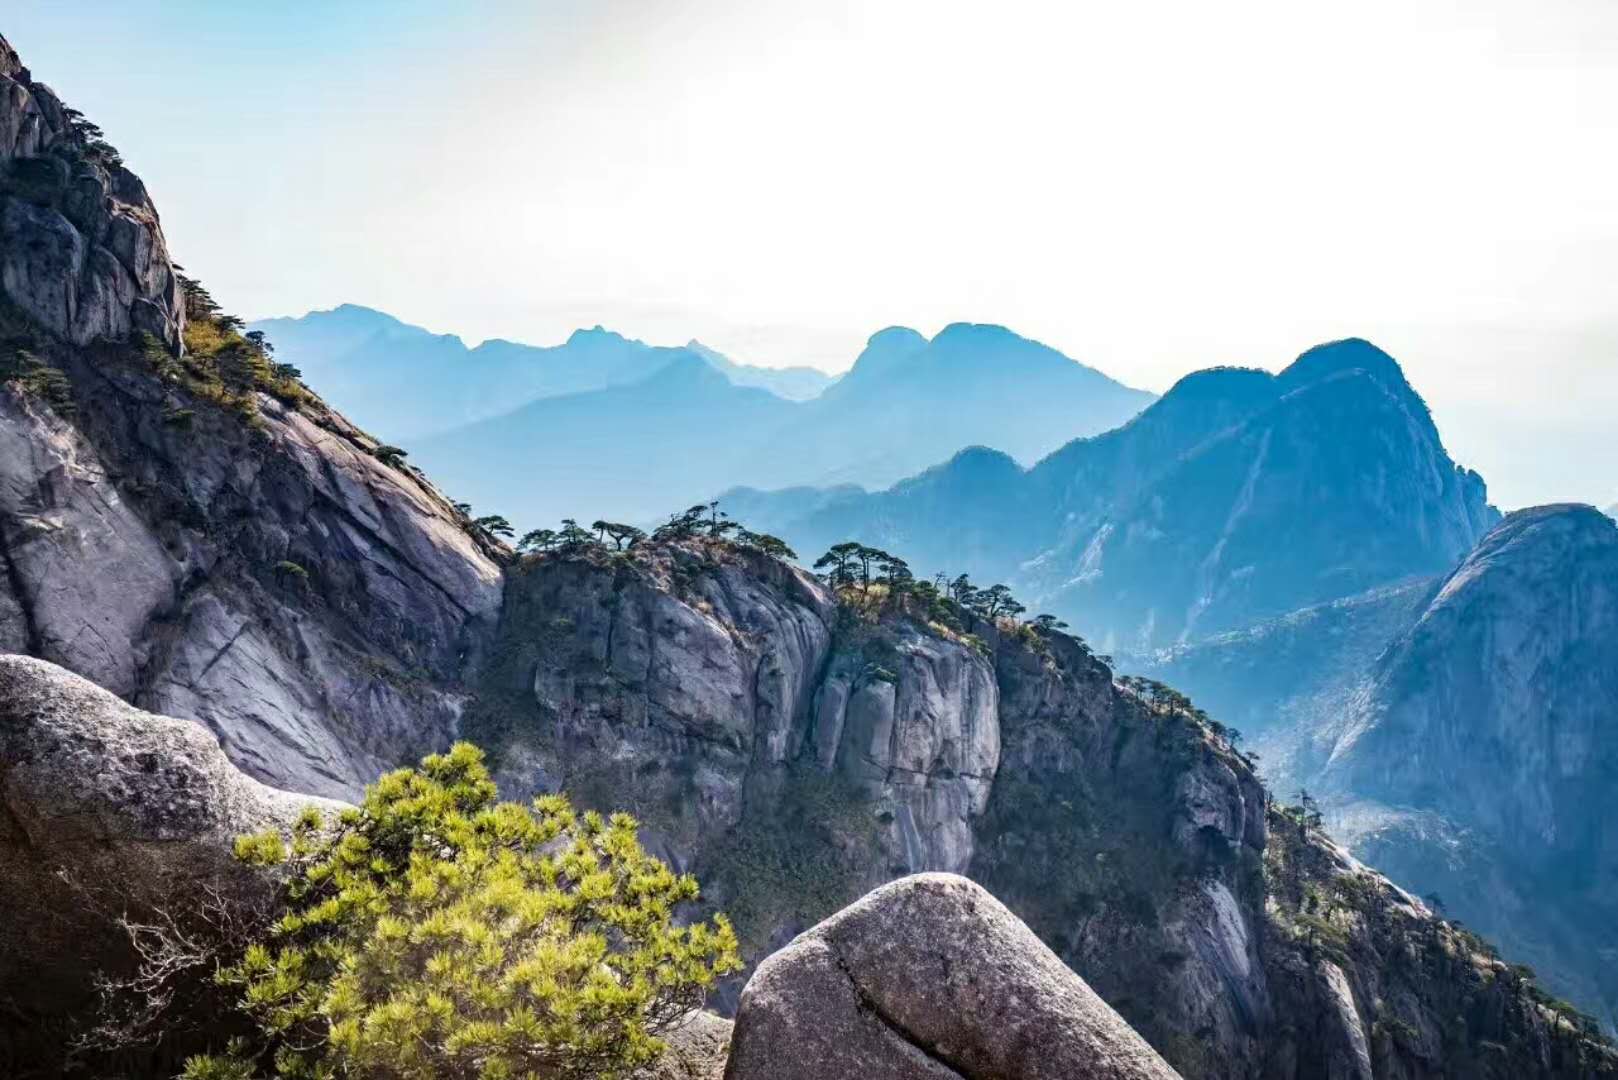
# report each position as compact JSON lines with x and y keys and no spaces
{"x":1151,"y":188}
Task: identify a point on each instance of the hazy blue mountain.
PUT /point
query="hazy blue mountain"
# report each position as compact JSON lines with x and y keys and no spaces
{"x":626,"y":453}
{"x":792,"y":383}
{"x":401,"y":382}
{"x":1238,"y":496}
{"x":908,"y":403}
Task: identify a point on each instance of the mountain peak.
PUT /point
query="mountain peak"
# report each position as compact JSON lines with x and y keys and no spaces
{"x":1348,"y":354}
{"x":979,"y":333}
{"x":886,"y":351}
{"x":686,"y":370}
{"x":599,"y":335}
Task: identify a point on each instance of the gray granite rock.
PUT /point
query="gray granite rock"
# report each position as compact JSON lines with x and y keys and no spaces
{"x":107,"y":801}
{"x":929,"y":976}
{"x":81,"y":248}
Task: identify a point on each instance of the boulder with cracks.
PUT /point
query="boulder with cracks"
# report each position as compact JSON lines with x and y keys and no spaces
{"x":929,"y":978}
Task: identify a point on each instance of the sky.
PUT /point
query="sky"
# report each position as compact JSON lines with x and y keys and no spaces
{"x":1150,"y":187}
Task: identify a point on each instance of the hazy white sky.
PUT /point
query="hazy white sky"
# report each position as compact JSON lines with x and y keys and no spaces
{"x":1151,"y":187}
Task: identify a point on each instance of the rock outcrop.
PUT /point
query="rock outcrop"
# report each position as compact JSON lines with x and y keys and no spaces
{"x":314,"y":607}
{"x":81,"y":249}
{"x":697,"y":1050}
{"x":245,"y":561}
{"x":1458,"y":730}
{"x":700,"y":680}
{"x":929,"y":977}
{"x":107,"y":809}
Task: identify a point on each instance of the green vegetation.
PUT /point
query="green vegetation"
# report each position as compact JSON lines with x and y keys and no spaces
{"x":435,"y":931}
{"x":703,"y":522}
{"x":222,"y":365}
{"x":34,"y":376}
{"x":391,"y":456}
{"x":1068,"y":855}
{"x":805,"y":856}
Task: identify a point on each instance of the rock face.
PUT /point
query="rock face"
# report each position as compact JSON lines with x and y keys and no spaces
{"x":313,"y":607}
{"x":1488,"y":730}
{"x":795,"y":754}
{"x":705,"y":679}
{"x":81,"y":249}
{"x":1459,"y":729}
{"x":927,"y":977}
{"x":697,"y":1050}
{"x":98,"y":794}
{"x":261,"y":572}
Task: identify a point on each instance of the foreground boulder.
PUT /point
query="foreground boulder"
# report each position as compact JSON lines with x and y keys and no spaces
{"x":929,"y":977}
{"x":107,"y":809}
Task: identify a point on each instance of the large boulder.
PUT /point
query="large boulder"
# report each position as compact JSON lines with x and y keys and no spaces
{"x":929,"y":977}
{"x":104,"y":809}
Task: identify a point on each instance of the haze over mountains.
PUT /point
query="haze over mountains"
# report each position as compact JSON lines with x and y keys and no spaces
{"x":402,"y":382}
{"x":612,"y":427}
{"x":1237,"y":496}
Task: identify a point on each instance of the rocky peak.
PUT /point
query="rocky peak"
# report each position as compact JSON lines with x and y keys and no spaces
{"x":886,"y":351}
{"x":81,"y":249}
{"x":202,"y":536}
{"x":1347,"y":354}
{"x":1494,"y":707}
{"x":10,"y":63}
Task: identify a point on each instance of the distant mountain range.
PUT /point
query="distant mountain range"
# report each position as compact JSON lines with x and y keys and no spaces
{"x":607,"y":426}
{"x":401,"y":382}
{"x":1238,"y":496}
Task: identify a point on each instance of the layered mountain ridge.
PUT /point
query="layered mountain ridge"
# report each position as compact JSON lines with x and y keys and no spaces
{"x":1237,"y":496}
{"x":483,"y":421}
{"x":403,"y":382}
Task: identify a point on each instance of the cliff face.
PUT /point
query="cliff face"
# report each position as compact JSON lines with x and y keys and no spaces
{"x":81,"y":249}
{"x":1482,"y":760}
{"x":795,"y":751}
{"x":708,"y":680}
{"x":1460,"y":731}
{"x":314,"y":607}
{"x":235,"y":558}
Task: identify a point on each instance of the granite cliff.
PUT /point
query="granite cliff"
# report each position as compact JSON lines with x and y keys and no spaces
{"x":1459,"y":732}
{"x":797,"y":748}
